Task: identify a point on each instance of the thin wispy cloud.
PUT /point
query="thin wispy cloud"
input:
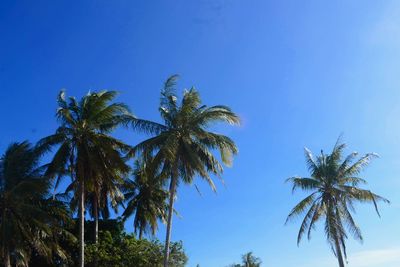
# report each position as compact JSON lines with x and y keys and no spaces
{"x":388,"y":257}
{"x":386,"y":30}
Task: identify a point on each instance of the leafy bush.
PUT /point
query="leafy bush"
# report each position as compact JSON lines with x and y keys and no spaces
{"x":126,"y":250}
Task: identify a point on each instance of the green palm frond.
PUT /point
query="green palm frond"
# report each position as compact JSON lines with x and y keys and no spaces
{"x":30,"y":221}
{"x":305,"y":184}
{"x":301,"y":207}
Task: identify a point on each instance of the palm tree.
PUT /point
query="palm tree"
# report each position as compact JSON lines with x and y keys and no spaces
{"x":105,"y":188}
{"x":107,"y":193}
{"x":249,"y":260}
{"x":183,"y":145}
{"x":108,"y":183}
{"x":146,"y":198}
{"x":334,"y":189}
{"x":30,"y":221}
{"x":84,"y":144}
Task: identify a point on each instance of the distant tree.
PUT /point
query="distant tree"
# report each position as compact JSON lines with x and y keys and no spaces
{"x":334,"y":190}
{"x":146,"y":199}
{"x":248,"y":260}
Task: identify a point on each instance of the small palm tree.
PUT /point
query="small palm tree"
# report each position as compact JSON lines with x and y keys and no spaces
{"x":183,"y":145}
{"x":334,"y":186}
{"x":249,"y":260}
{"x":85,"y":146}
{"x":30,"y":221}
{"x":146,"y":198}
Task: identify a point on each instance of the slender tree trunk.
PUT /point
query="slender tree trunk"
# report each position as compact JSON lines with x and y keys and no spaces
{"x":172,"y":189}
{"x":81,"y":224}
{"x":96,"y":225}
{"x":4,"y":246}
{"x":339,"y":254}
{"x":96,"y":220}
{"x":7,"y":260}
{"x":140,"y":234}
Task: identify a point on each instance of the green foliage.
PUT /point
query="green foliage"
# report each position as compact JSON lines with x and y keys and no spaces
{"x":31,"y":221}
{"x":126,"y":250}
{"x":334,"y":187}
{"x":113,"y":226}
{"x":115,"y":248}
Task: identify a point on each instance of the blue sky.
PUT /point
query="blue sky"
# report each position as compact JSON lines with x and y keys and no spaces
{"x":299,"y":73}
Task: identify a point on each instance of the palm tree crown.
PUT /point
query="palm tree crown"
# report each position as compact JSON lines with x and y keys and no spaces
{"x":182,"y":144}
{"x":334,"y":186}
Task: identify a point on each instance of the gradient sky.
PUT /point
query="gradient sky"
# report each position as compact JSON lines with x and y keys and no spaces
{"x":299,"y":73}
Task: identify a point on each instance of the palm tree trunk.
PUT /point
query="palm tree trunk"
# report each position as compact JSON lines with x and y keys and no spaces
{"x":7,"y":260}
{"x":172,"y":189}
{"x":4,"y":246}
{"x":96,"y":220}
{"x":81,"y":224}
{"x":140,"y":234}
{"x":339,"y":254}
{"x":96,"y":225}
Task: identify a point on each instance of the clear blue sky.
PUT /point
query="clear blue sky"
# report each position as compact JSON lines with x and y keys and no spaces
{"x":299,"y":73}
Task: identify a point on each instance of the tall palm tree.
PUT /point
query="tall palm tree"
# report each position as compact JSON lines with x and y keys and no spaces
{"x":30,"y":221}
{"x":334,"y":186}
{"x":146,"y":198}
{"x":84,"y":143}
{"x":183,"y":145}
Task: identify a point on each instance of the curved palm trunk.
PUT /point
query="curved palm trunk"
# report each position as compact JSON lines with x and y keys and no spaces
{"x":172,"y":189}
{"x":339,"y":254}
{"x":81,"y":224}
